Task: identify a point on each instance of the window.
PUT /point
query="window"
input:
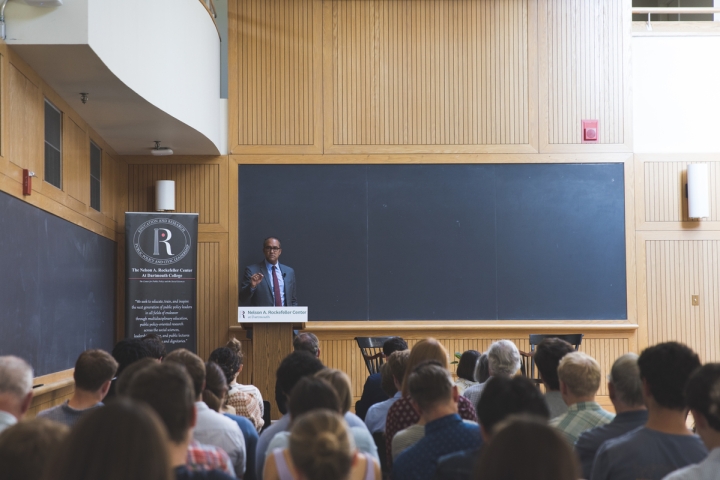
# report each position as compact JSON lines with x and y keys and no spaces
{"x":53,"y":148}
{"x":95,"y":167}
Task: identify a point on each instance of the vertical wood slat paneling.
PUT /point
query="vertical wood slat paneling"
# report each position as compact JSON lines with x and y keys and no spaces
{"x":196,"y":189}
{"x":585,"y":69}
{"x":24,"y":123}
{"x":665,"y":199}
{"x":211,"y":298}
{"x":676,"y":270}
{"x":275,"y":42}
{"x":429,"y":73}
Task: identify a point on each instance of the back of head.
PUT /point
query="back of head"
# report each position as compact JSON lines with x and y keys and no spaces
{"x":467,"y":363}
{"x":227,"y":360}
{"x":545,"y":454}
{"x":123,"y":381}
{"x":129,"y":350}
{"x":26,"y":447}
{"x":503,"y":358}
{"x":168,"y":390}
{"x":312,"y":393}
{"x":236,"y":346}
{"x":504,"y":396}
{"x":430,"y":384}
{"x":547,"y":356}
{"x":16,"y":376}
{"x":703,"y":394}
{"x":394,"y":344}
{"x":666,"y":368}
{"x":293,"y":367}
{"x":397,"y":363}
{"x":387,"y":383}
{"x":193,"y":364}
{"x":423,"y":351}
{"x":320,"y":446}
{"x":581,"y":373}
{"x":482,"y":369}
{"x":93,"y":368}
{"x":625,"y":377}
{"x":155,"y":345}
{"x":307,"y":342}
{"x":122,"y":440}
{"x":341,"y":383}
{"x":215,"y":386}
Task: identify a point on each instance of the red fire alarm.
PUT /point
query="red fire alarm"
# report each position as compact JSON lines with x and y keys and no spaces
{"x":590,"y":131}
{"x":27,"y":181}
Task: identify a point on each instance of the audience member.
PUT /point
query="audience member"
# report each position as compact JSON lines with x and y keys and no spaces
{"x":123,"y":381}
{"x":547,"y":356}
{"x":466,"y":370}
{"x":26,"y":447}
{"x":372,"y":391}
{"x":501,"y":398}
{"x":211,"y":427}
{"x":242,"y":402}
{"x":482,"y":369}
{"x":156,"y":346}
{"x":320,"y":448}
{"x":395,"y":369}
{"x":401,"y":414}
{"x":16,"y":381}
{"x":579,"y":376}
{"x":169,"y":391}
{"x":307,"y":342}
{"x":235,"y":345}
{"x":526,"y":448}
{"x":703,"y":399}
{"x":127,"y":352}
{"x":387,"y":382}
{"x":214,"y":396}
{"x":503,"y":361}
{"x":433,"y":394}
{"x":124,"y":440}
{"x":625,"y":389}
{"x":94,"y":370}
{"x":664,"y":444}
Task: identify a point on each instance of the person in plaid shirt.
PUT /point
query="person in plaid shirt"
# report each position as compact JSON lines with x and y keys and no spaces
{"x":208,"y":457}
{"x":579,"y":376}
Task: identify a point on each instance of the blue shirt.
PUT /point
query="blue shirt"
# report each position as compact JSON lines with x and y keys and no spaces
{"x":281,"y":280}
{"x":443,"y":436}
{"x":376,"y":416}
{"x":646,"y":454}
{"x":251,"y":440}
{"x":590,"y":441}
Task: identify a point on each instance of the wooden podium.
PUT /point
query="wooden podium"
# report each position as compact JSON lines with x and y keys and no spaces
{"x":272,"y":341}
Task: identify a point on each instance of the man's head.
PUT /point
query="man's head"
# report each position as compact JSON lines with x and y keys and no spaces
{"x":129,"y":350}
{"x":387,"y":382}
{"x":579,"y":376}
{"x":27,"y":447}
{"x":503,"y":359}
{"x":431,"y":386}
{"x":624,"y":384}
{"x":703,"y":399}
{"x":293,"y":367}
{"x":482,"y":369}
{"x":94,"y":369}
{"x":664,"y":370}
{"x":155,"y":345}
{"x":312,"y":393}
{"x":194,"y":366}
{"x":168,"y":390}
{"x":547,"y":356}
{"x":397,"y":363}
{"x":503,"y":397}
{"x":272,"y":250}
{"x":394,"y":344}
{"x":307,"y":342}
{"x":16,"y":378}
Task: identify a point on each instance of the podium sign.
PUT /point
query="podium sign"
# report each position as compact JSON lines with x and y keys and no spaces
{"x":272,"y":314}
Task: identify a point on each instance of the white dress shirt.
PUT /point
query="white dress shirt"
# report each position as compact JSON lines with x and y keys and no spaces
{"x":213,"y":428}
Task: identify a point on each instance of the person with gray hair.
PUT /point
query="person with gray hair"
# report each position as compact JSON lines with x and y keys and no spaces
{"x":625,"y":388}
{"x":307,"y":342}
{"x":503,"y":360}
{"x":16,"y":379}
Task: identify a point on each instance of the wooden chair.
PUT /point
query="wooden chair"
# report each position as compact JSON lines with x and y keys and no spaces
{"x":528,"y":363}
{"x":371,"y":349}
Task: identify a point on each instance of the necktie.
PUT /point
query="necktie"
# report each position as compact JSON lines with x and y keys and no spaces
{"x":276,"y":288}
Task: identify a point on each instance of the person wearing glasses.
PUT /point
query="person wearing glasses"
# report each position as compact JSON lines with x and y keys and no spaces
{"x":269,"y":283}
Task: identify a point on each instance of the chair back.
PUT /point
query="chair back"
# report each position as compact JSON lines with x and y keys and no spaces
{"x":371,"y":349}
{"x":574,"y":339}
{"x":267,"y":418}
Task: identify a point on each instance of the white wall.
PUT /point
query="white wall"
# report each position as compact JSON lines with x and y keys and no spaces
{"x":676,"y":94}
{"x":66,"y":25}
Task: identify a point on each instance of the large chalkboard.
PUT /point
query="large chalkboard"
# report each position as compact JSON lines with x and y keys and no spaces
{"x":443,"y":242}
{"x":58,"y":287}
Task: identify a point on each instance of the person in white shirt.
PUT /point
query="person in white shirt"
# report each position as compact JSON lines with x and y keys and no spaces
{"x":16,"y":379}
{"x":394,"y":367}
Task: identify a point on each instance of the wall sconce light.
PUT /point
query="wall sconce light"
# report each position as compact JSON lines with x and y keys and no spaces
{"x":698,"y":190}
{"x":165,"y":195}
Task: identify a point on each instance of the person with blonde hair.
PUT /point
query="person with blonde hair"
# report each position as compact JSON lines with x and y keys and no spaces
{"x":579,"y":376}
{"x":320,"y":448}
{"x":401,"y":414}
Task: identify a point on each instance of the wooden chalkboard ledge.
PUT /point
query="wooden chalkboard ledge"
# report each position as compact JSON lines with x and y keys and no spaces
{"x":56,"y":388}
{"x":536,"y":326}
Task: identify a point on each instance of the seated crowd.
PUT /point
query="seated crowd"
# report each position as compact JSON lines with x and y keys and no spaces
{"x":142,"y":413}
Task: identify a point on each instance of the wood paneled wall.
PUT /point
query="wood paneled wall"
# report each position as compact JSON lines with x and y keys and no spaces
{"x":665,"y":199}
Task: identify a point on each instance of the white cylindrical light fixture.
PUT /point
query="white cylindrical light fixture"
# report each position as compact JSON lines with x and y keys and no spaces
{"x":165,"y":195}
{"x":698,"y":190}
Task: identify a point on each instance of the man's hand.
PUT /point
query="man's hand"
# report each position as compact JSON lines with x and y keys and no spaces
{"x":255,"y":279}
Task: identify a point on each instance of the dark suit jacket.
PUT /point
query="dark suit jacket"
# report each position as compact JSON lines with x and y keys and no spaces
{"x":263,"y":294}
{"x":372,"y":393}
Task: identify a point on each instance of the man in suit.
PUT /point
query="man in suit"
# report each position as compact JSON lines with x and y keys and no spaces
{"x":263,"y":281}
